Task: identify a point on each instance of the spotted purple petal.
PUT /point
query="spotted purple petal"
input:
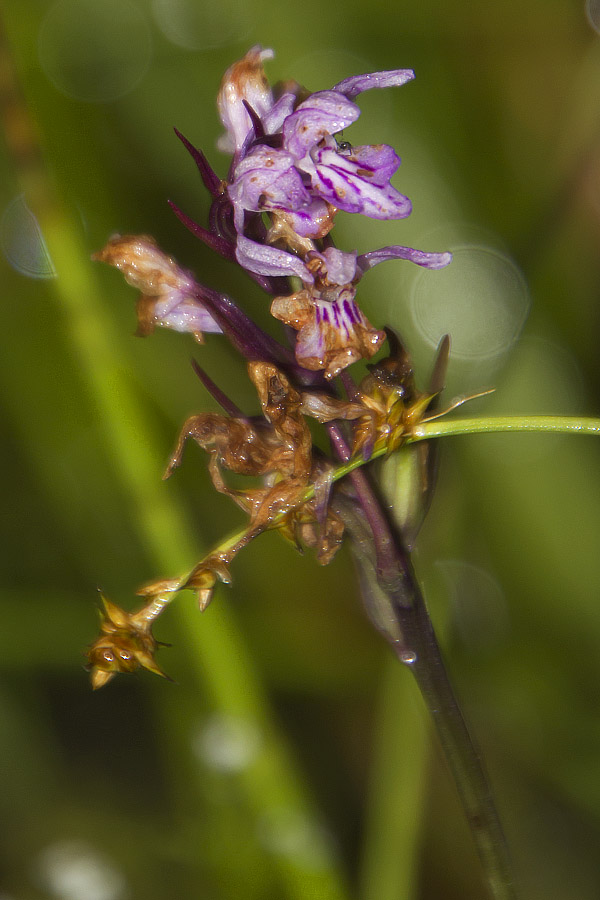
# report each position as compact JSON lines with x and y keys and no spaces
{"x":324,"y":113}
{"x":267,"y":179}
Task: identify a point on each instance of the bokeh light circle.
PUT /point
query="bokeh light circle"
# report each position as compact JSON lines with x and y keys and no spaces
{"x":22,"y":241}
{"x":227,"y":743}
{"x":481,"y":300}
{"x":200,"y":26}
{"x":75,"y":870}
{"x":592,"y":11}
{"x":94,"y":50}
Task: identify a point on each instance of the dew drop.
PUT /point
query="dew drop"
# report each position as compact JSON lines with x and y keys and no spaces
{"x":200,"y":26}
{"x":592,"y":11}
{"x":408,"y":657}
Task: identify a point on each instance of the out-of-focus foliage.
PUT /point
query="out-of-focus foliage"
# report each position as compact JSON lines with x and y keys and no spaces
{"x":292,"y":759}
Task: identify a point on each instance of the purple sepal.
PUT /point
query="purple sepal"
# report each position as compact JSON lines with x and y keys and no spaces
{"x":428,"y":260}
{"x":340,"y":266}
{"x":266,"y":260}
{"x":273,"y":120}
{"x":357,"y":84}
{"x":185,"y":314}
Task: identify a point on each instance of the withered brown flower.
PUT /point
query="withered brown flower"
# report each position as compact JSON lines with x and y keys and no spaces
{"x":125,"y":644}
{"x":169,"y":295}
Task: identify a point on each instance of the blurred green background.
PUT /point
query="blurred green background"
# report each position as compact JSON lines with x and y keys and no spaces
{"x":293,"y":759}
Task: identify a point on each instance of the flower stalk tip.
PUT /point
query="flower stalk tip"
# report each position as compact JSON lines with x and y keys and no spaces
{"x":125,"y":644}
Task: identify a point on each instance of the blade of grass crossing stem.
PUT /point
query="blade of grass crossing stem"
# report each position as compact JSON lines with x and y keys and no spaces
{"x":397,"y":801}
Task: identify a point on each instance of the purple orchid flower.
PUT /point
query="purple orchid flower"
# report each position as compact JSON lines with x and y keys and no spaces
{"x":355,"y":180}
{"x":332,"y":330}
{"x":289,"y":177}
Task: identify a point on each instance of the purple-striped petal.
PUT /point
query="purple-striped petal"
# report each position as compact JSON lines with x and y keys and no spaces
{"x":312,"y":221}
{"x":331,"y":335}
{"x":344,"y":183}
{"x":377,"y":162}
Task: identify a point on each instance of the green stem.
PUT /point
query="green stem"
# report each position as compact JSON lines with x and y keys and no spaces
{"x":426,"y":430}
{"x":495,"y":424}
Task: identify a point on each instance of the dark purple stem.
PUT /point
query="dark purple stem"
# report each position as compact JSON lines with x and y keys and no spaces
{"x":245,"y":335}
{"x":385,"y":547}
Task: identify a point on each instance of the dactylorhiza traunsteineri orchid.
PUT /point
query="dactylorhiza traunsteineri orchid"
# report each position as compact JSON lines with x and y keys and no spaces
{"x":274,"y":214}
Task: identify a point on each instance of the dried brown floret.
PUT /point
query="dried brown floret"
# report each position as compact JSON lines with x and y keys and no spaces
{"x":331,"y":334}
{"x":281,"y":405}
{"x":126,"y":643}
{"x":169,"y":295}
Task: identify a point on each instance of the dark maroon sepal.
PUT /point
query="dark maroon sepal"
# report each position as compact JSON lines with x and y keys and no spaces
{"x":211,"y":180}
